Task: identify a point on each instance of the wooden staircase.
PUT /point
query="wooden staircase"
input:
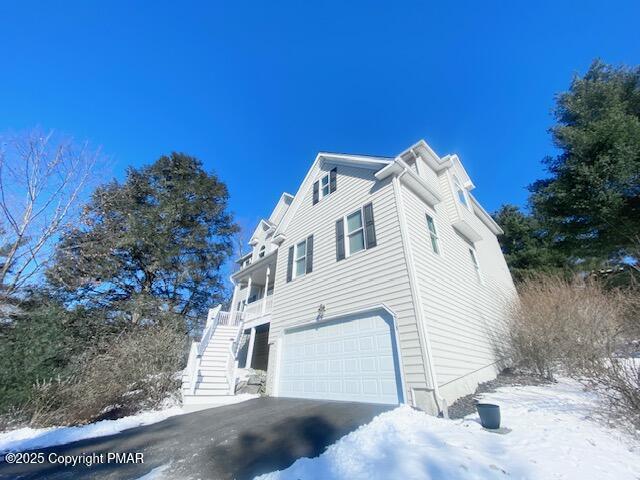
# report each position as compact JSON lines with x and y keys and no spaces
{"x":210,"y":376}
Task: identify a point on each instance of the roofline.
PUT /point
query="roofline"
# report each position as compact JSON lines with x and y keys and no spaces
{"x":243,"y":257}
{"x":359,"y":160}
{"x":484,"y":216}
{"x":345,"y":159}
{"x":253,"y":266}
{"x":421,"y":188}
{"x":269,"y":224}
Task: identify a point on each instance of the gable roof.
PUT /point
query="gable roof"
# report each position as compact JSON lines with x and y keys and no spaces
{"x":384,"y":166}
{"x":362,"y":161}
{"x":425,"y":152}
{"x":265,"y":225}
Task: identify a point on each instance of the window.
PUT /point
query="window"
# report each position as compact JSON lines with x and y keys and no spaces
{"x":474,"y":262}
{"x":300,"y":258}
{"x":433,"y":234}
{"x":461,"y":192}
{"x":324,"y":184}
{"x":355,"y":232}
{"x":262,"y":251}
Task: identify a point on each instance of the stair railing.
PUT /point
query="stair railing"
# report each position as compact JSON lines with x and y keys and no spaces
{"x":198,"y":348}
{"x":232,"y":358}
{"x":213,"y":319}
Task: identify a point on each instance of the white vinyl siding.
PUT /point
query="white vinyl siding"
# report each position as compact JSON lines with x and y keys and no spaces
{"x":461,"y":192}
{"x":377,"y":277}
{"x":474,"y":262}
{"x":463,"y":316}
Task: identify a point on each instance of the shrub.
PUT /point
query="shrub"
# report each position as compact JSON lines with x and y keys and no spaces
{"x":133,"y":371}
{"x":616,"y":376}
{"x":38,"y":340}
{"x":560,"y":323}
{"x":583,"y":330}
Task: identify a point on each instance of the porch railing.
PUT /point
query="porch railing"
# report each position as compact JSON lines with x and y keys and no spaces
{"x":257,"y":308}
{"x":231,"y":318}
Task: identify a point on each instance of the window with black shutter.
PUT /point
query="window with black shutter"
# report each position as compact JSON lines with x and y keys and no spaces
{"x":300,"y":260}
{"x":355,"y":232}
{"x":325,"y":186}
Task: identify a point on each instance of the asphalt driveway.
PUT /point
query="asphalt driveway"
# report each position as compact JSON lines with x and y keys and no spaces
{"x":235,"y":441}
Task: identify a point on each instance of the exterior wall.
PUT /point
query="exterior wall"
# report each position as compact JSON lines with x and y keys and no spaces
{"x":428,"y":175}
{"x":463,"y":315}
{"x":368,"y":278}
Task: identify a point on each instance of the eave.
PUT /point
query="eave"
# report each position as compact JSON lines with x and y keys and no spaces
{"x":411,"y":179}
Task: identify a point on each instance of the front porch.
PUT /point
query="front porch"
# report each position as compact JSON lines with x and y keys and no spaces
{"x":253,"y":291}
{"x":253,"y":297}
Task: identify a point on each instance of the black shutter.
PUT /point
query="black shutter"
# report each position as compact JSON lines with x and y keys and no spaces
{"x":369,"y":227}
{"x":316,"y":192}
{"x":333,"y":179}
{"x":290,"y":264}
{"x":340,"y":240}
{"x":309,"y":254}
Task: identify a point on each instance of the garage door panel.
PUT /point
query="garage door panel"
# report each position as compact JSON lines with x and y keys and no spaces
{"x":354,"y":359}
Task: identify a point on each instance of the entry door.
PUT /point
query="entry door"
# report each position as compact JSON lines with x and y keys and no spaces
{"x":351,"y":359}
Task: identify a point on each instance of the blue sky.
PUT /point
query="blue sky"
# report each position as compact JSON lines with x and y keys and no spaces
{"x":255,"y":90}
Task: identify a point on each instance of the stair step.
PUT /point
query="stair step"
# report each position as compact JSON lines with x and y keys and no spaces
{"x":219,"y":378}
{"x":213,"y":400}
{"x":214,"y":357}
{"x":207,"y":387}
{"x":214,"y":362}
{"x":211,"y":390}
{"x":215,"y":353}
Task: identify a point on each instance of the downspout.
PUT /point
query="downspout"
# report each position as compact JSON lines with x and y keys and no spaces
{"x":441,"y":403}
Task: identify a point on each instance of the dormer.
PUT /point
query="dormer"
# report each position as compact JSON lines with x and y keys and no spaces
{"x":463,"y":215}
{"x":261,"y":239}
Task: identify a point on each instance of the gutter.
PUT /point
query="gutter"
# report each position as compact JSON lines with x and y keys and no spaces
{"x":413,"y":180}
{"x":427,"y":356}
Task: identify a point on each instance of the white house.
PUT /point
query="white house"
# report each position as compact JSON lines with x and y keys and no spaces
{"x":381,"y":280}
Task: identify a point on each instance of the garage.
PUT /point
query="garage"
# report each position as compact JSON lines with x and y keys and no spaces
{"x":352,"y":358}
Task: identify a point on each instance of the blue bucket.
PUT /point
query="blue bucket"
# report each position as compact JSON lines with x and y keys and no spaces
{"x":489,"y":415}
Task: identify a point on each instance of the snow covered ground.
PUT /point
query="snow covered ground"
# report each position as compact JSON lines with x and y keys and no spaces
{"x":554,"y":434}
{"x":29,"y":438}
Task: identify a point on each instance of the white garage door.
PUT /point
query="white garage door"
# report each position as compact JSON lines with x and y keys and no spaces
{"x":353,"y":359}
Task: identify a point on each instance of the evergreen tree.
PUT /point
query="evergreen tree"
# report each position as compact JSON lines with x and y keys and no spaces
{"x":591,"y":202}
{"x":526,"y":246}
{"x":150,"y":249}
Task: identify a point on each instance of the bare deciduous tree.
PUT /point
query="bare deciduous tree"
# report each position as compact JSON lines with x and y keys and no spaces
{"x":42,"y":177}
